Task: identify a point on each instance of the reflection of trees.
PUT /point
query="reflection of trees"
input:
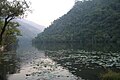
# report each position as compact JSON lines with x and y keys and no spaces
{"x":52,"y":46}
{"x":8,"y":65}
{"x":81,"y":46}
{"x":60,"y":53}
{"x":90,"y":72}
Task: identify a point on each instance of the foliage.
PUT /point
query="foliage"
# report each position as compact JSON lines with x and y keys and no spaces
{"x":91,"y":21}
{"x":110,"y":75}
{"x":10,"y":10}
{"x":10,"y":35}
{"x":11,"y":32}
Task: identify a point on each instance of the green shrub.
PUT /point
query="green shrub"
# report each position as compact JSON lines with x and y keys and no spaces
{"x":110,"y":75}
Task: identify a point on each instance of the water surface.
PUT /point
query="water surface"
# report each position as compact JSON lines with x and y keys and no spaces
{"x":29,"y":63}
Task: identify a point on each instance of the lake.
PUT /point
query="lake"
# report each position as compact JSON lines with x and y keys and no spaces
{"x":59,"y":61}
{"x":29,"y":63}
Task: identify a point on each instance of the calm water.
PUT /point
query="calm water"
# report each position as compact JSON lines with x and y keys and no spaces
{"x":29,"y":63}
{"x":87,"y":61}
{"x":59,"y":61}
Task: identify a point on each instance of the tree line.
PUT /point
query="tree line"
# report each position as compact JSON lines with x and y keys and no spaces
{"x":89,"y":21}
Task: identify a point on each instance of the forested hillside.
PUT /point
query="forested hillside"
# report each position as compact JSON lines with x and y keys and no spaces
{"x":93,"y":21}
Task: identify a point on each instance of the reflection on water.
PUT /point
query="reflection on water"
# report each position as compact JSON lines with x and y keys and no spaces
{"x":104,"y":47}
{"x":30,"y":64}
{"x":87,"y":65}
{"x":59,"y":62}
{"x":9,"y":64}
{"x":34,"y":65}
{"x":43,"y":69}
{"x":84,"y":60}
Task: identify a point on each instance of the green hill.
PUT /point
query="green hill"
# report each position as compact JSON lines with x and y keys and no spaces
{"x":91,"y":21}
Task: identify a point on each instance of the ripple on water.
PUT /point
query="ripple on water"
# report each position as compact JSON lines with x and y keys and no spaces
{"x":43,"y":69}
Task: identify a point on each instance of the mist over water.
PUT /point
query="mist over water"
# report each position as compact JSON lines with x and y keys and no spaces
{"x":57,"y":61}
{"x":27,"y":62}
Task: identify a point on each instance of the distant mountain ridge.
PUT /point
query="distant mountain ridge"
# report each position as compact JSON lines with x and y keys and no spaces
{"x":29,"y":30}
{"x":39,"y":27}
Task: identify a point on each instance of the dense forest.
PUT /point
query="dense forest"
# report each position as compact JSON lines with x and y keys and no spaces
{"x":91,"y":21}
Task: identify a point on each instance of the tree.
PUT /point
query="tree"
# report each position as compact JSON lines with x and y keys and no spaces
{"x":89,"y":21}
{"x":10,"y":10}
{"x":11,"y":32}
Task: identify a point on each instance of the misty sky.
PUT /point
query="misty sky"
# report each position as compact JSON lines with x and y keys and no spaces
{"x":45,"y":11}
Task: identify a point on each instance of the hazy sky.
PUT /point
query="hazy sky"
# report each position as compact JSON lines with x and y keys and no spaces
{"x":45,"y":11}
